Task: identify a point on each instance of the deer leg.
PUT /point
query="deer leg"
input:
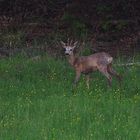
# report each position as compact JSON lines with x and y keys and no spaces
{"x":104,"y":71}
{"x":114,"y":73}
{"x":78,"y":74}
{"x":87,"y":80}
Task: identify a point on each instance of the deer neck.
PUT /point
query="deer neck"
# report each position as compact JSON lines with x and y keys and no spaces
{"x":72,"y":59}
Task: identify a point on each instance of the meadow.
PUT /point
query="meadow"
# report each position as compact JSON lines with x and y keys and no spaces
{"x":37,"y":102}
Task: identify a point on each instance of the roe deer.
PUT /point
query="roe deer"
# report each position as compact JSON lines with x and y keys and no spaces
{"x":86,"y":64}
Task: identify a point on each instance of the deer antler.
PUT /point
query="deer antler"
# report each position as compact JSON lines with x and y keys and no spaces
{"x":71,"y":42}
{"x":68,"y":41}
{"x":74,"y":44}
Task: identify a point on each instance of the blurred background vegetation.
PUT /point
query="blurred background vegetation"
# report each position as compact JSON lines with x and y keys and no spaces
{"x":112,"y":26}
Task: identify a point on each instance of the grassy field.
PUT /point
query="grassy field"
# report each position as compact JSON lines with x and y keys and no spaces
{"x":37,"y":102}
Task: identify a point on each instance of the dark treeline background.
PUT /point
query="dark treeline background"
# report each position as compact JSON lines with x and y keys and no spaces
{"x":86,"y":9}
{"x":103,"y":23}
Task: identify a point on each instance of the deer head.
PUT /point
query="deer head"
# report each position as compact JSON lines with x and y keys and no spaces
{"x":69,"y":46}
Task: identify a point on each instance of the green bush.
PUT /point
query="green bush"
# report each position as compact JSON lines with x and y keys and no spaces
{"x":77,"y":27}
{"x":108,"y":25}
{"x":121,"y":25}
{"x":103,"y":9}
{"x":12,"y":40}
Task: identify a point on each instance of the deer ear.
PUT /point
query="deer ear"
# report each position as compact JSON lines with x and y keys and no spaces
{"x":63,"y":44}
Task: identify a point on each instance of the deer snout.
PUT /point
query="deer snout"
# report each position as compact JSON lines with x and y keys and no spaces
{"x":66,"y":53}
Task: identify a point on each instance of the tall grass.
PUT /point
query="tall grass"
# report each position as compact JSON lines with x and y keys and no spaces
{"x":37,"y":102}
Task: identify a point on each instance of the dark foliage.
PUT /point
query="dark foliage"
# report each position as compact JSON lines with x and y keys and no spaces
{"x":104,"y":20}
{"x":87,"y":9}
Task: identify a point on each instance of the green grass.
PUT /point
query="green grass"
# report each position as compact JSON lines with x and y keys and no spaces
{"x":37,"y":102}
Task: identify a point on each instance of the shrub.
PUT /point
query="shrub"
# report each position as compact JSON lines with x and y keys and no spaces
{"x":12,"y":40}
{"x":76,"y":26}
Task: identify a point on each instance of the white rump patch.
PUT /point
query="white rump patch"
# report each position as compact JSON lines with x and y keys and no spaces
{"x":110,"y":59}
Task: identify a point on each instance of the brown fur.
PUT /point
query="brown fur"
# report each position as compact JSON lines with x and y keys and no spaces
{"x":86,"y":64}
